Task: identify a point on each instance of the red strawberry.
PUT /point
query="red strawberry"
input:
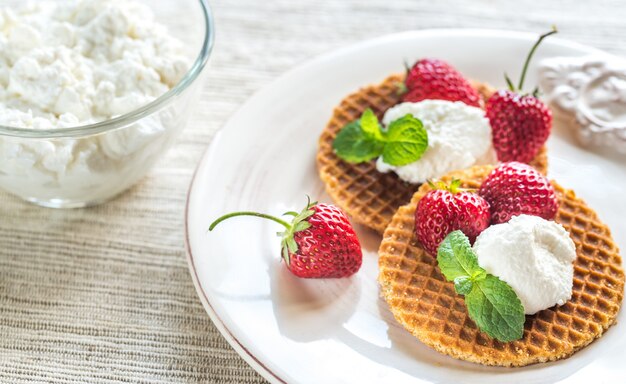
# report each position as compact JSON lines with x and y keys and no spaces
{"x":514,"y":189}
{"x":442,"y":211}
{"x":436,"y":79}
{"x":318,"y":243}
{"x":520,"y":123}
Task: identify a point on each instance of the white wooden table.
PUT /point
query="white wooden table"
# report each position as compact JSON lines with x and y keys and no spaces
{"x":103,"y":295}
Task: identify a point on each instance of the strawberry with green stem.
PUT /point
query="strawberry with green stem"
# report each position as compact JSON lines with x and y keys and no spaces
{"x":319,"y":242}
{"x":520,"y":122}
{"x":447,"y":208}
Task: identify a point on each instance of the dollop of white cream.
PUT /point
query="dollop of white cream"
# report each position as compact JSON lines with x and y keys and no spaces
{"x":459,"y":136}
{"x":534,"y":256}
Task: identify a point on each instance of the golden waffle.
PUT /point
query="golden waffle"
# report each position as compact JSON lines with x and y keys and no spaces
{"x":371,"y":197}
{"x":428,"y":307}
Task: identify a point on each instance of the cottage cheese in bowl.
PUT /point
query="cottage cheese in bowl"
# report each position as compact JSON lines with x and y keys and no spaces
{"x":74,"y":63}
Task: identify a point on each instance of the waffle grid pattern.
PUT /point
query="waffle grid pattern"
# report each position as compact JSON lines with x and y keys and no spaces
{"x":368,"y":196}
{"x":428,"y":307}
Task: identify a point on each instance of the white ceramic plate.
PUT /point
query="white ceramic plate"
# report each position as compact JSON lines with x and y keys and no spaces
{"x":340,"y":331}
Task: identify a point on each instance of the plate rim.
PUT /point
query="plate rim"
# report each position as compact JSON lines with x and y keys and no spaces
{"x":254,"y":362}
{"x":232,"y":340}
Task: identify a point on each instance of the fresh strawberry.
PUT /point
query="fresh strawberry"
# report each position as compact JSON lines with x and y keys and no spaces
{"x":446,"y":209}
{"x":514,"y":189}
{"x":436,"y":79}
{"x":520,"y":123}
{"x":318,"y":243}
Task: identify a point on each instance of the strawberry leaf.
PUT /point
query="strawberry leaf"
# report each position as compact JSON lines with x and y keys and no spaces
{"x":299,"y":223}
{"x":301,"y":226}
{"x":407,"y":141}
{"x":455,"y":184}
{"x":285,"y":252}
{"x":291,"y":244}
{"x":402,"y":88}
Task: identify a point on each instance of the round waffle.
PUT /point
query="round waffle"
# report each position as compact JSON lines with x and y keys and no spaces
{"x":428,"y":307}
{"x":371,"y":197}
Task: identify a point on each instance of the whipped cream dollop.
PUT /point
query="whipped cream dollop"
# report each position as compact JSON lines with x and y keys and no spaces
{"x":534,"y":256}
{"x":459,"y":136}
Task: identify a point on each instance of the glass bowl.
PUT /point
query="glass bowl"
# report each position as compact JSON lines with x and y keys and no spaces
{"x":90,"y":164}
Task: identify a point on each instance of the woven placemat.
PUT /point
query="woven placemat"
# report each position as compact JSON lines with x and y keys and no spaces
{"x":103,"y":295}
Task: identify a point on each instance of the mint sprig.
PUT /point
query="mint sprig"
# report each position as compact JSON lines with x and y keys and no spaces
{"x":491,"y":303}
{"x":404,"y":141}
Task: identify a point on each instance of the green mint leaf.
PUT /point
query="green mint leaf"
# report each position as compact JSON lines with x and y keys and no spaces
{"x":371,"y":126}
{"x":463,"y":285}
{"x":407,"y":141}
{"x":496,"y":309}
{"x":353,"y":145}
{"x":456,"y":257}
{"x":404,"y":142}
{"x":479,"y":275}
{"x":491,"y":303}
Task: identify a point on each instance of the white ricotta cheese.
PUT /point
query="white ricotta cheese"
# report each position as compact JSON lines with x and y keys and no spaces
{"x":534,"y":256}
{"x":72,"y":63}
{"x":459,"y":136}
{"x":89,"y":60}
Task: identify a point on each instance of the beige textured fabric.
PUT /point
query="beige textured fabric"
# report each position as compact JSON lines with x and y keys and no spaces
{"x":103,"y":295}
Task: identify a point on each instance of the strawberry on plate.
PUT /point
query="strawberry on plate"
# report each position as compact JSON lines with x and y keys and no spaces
{"x":436,"y":79}
{"x":318,"y":243}
{"x":446,"y":209}
{"x":520,"y":122}
{"x":514,"y":189}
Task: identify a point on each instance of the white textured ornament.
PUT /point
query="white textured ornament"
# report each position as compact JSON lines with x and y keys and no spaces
{"x":591,"y":89}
